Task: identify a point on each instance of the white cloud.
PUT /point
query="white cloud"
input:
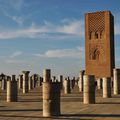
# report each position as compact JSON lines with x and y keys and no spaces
{"x":49,"y":30}
{"x":63,"y":53}
{"x":19,"y":20}
{"x":15,"y":54}
{"x":12,"y":59}
{"x":74,"y":27}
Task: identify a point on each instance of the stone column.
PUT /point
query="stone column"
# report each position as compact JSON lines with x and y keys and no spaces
{"x":99,"y":83}
{"x":60,"y":79}
{"x":47,"y":93}
{"x":51,"y":95}
{"x":106,"y":87}
{"x":9,"y":90}
{"x":0,"y":83}
{"x":47,"y":75}
{"x":3,"y":82}
{"x":14,"y":89}
{"x":53,"y":78}
{"x":25,"y":81}
{"x":80,"y":82}
{"x":73,"y":83}
{"x":12,"y":92}
{"x":89,"y":89}
{"x":38,"y":81}
{"x":116,"y":82}
{"x":67,"y":89}
{"x":34,"y":80}
{"x":41,"y":80}
{"x":20,"y":82}
{"x":30,"y":83}
{"x":55,"y":98}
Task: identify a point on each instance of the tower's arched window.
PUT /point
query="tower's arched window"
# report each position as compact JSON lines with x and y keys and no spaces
{"x":94,"y":54}
{"x":96,"y":35}
{"x":90,"y":35}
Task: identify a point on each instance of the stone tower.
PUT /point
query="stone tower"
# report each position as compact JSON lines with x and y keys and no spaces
{"x":99,"y":44}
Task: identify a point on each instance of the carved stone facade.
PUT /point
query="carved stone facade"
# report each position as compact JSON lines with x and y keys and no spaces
{"x":99,"y":43}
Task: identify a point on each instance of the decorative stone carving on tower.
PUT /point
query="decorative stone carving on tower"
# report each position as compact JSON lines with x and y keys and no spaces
{"x":99,"y":43}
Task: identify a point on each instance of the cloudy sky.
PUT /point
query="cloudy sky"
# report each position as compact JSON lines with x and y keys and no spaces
{"x":39,"y":34}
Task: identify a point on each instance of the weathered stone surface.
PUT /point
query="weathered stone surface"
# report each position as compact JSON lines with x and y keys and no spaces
{"x":80,"y":81}
{"x":30,"y":83}
{"x":106,"y":87}
{"x":20,"y":81}
{"x":67,"y":88}
{"x":99,"y":44}
{"x":60,"y":79}
{"x":46,"y":75}
{"x":34,"y":80}
{"x":25,"y":81}
{"x":51,"y":96}
{"x":12,"y":92}
{"x":116,"y":81}
{"x":99,"y":83}
{"x":89,"y":89}
{"x":3,"y":81}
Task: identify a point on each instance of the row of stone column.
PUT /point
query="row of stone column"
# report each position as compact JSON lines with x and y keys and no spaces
{"x":86,"y":84}
{"x":29,"y":82}
{"x":10,"y":83}
{"x":89,"y":88}
{"x":24,"y":81}
{"x":115,"y":81}
{"x":51,"y":92}
{"x":65,"y":83}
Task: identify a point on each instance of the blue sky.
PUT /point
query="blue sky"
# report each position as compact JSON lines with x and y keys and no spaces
{"x":39,"y":34}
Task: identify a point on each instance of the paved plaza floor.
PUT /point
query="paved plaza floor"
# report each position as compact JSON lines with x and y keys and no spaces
{"x":29,"y":107}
